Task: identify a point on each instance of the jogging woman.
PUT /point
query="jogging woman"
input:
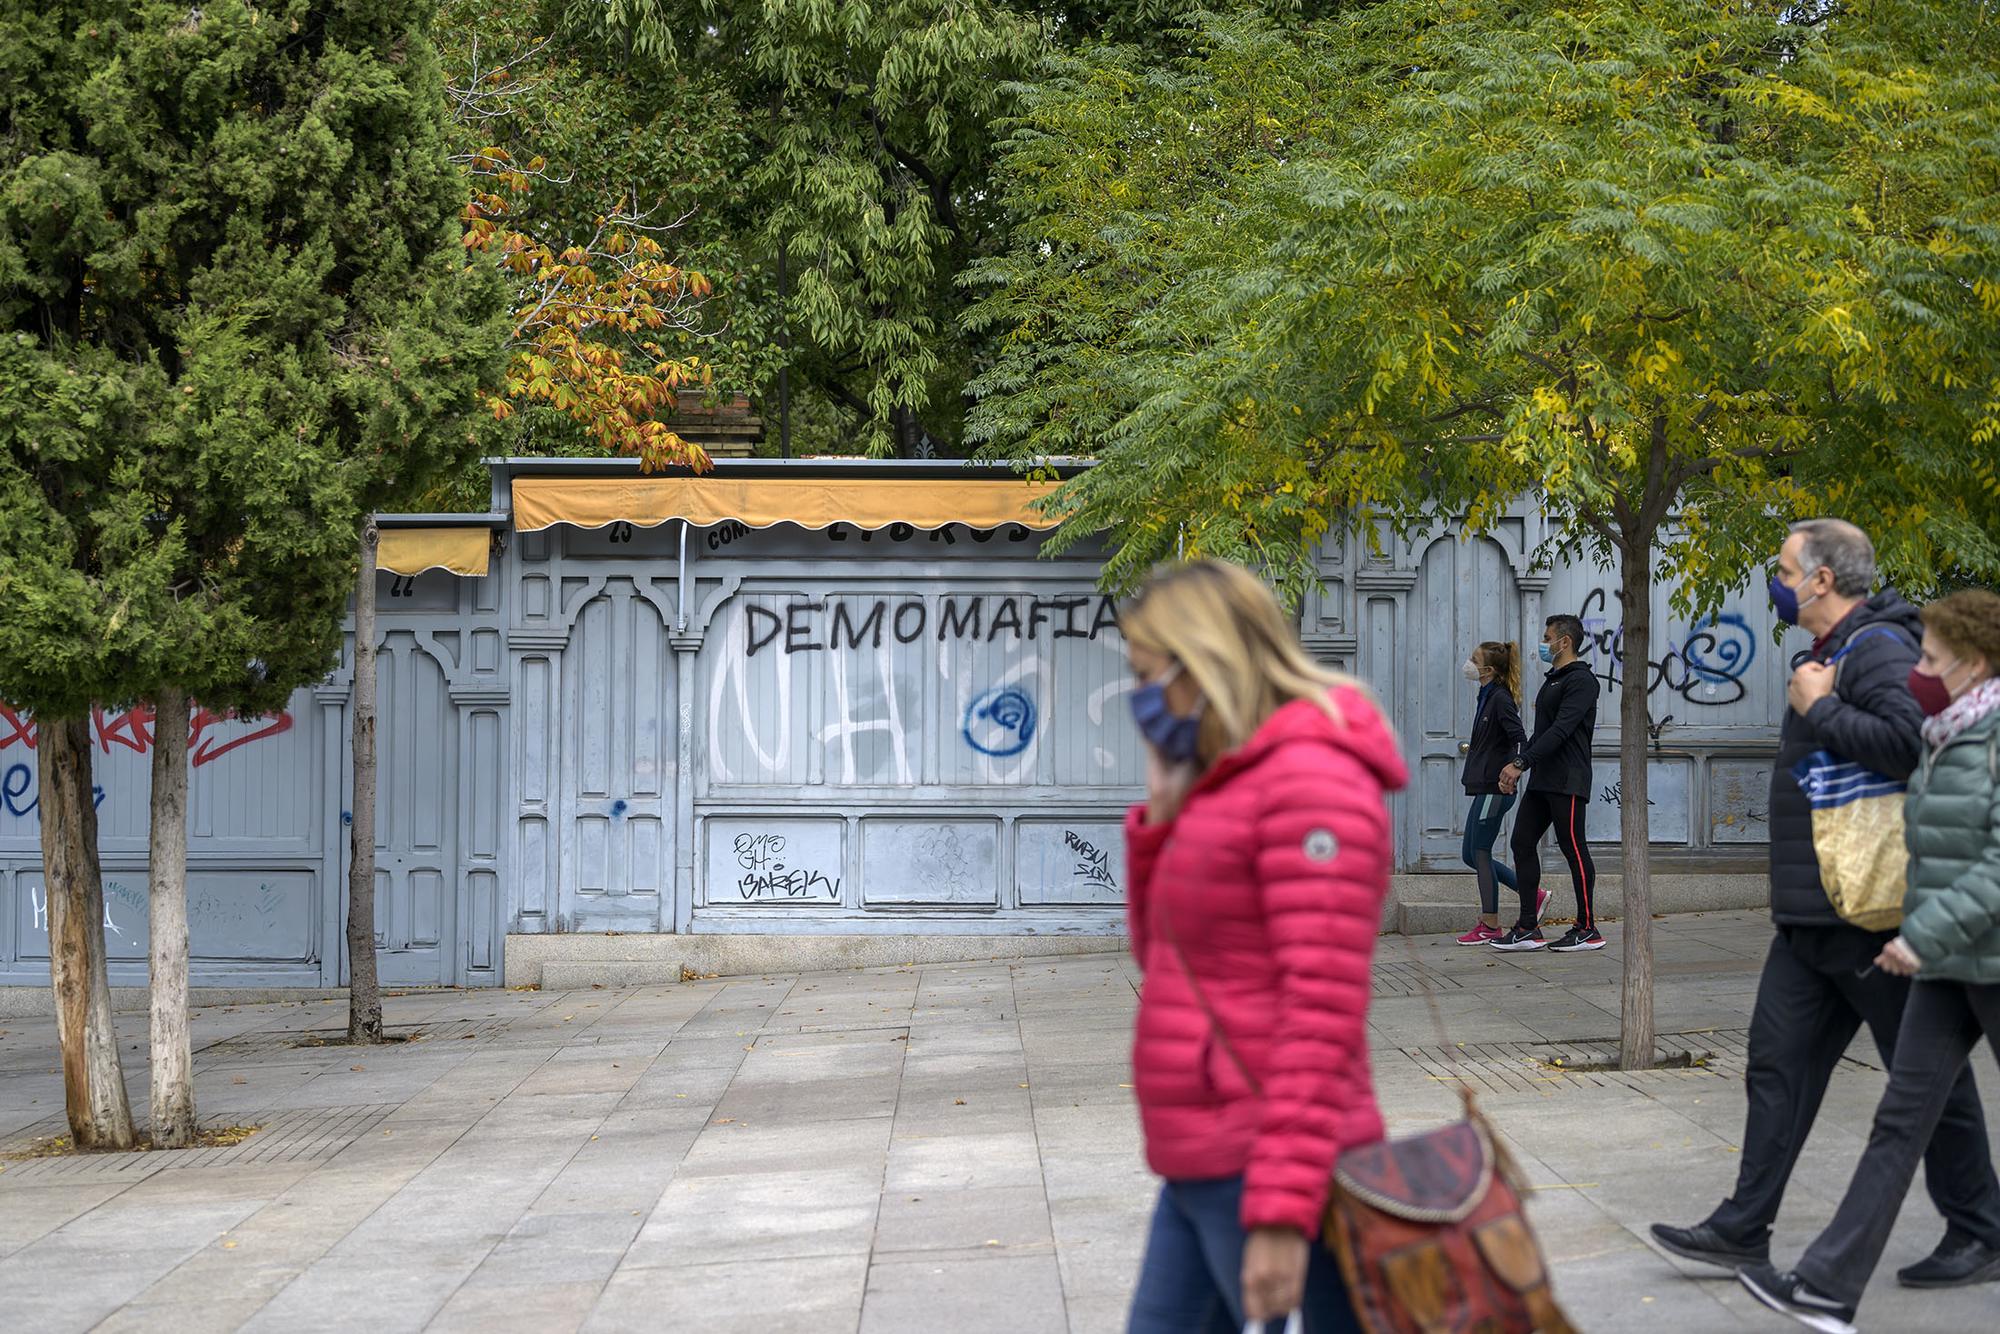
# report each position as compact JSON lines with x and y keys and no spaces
{"x":1257,"y":868}
{"x":1497,"y":737}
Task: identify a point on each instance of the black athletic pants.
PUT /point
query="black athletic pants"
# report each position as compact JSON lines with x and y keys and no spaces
{"x":1538,"y":813}
{"x":1942,"y":1024}
{"x":1820,"y":985}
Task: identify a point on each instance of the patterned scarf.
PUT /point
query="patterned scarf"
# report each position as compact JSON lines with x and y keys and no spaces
{"x":1964,"y":711}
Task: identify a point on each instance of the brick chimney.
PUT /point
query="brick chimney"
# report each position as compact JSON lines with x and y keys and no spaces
{"x":729,"y":430}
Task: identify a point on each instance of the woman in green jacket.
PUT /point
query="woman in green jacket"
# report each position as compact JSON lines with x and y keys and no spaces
{"x":1950,"y":943}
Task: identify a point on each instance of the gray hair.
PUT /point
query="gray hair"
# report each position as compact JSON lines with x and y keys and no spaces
{"x":1839,"y":546}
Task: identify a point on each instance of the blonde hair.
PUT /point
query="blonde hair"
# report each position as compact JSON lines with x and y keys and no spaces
{"x":1505,"y":660}
{"x":1226,"y":630}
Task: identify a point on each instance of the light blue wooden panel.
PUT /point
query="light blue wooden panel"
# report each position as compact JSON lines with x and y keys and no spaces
{"x":1069,"y":862}
{"x":774,"y":862}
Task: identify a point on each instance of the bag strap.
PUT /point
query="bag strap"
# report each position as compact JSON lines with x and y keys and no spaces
{"x":1859,"y":637}
{"x":1236,"y":1057}
{"x":1208,"y":1011}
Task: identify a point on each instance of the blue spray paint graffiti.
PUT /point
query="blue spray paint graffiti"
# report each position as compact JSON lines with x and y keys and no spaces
{"x":1000,"y":721}
{"x":19,"y":782}
{"x":1721,"y":649}
{"x":1707,"y":668}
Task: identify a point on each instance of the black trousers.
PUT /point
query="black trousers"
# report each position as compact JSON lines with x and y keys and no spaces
{"x":1820,"y":985}
{"x":1942,"y":1024}
{"x":1538,"y":813}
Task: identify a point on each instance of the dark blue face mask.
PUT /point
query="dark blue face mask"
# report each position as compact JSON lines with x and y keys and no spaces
{"x":1174,"y":736}
{"x":1785,"y":598}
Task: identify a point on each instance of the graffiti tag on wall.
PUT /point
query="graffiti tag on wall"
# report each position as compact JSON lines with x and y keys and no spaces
{"x":767,"y":877}
{"x":1000,"y":721}
{"x":1093,"y":864}
{"x":1705,"y":667}
{"x":210,"y":737}
{"x":807,"y":627}
{"x":892,"y":679}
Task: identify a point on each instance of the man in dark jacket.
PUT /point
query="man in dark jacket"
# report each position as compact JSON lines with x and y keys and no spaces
{"x":1557,"y":763}
{"x":1849,"y":696}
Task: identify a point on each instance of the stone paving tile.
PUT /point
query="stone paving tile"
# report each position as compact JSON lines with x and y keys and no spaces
{"x":1007,"y":1217}
{"x":761,"y":1216}
{"x":966,"y":1292}
{"x":721,"y":1295}
{"x":484,"y":1307}
{"x":730,"y":1154}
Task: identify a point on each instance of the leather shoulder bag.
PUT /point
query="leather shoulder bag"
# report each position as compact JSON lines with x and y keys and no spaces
{"x":1428,"y":1229}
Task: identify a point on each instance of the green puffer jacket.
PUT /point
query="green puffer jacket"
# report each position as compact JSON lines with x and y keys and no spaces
{"x":1951,"y":909}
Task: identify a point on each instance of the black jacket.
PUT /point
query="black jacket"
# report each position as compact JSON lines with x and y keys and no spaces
{"x":1497,"y":737}
{"x":1871,"y":718}
{"x":1557,"y":757}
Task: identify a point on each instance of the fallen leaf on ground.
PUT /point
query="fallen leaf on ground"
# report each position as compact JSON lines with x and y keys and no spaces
{"x":363,"y":1067}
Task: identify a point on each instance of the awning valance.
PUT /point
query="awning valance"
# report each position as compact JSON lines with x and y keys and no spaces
{"x":414,"y":550}
{"x":643,"y":502}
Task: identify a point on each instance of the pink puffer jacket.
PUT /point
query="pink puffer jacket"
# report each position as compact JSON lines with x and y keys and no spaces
{"x":1271,"y":879}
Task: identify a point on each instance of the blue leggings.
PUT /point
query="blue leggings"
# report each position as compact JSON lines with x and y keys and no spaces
{"x":1482,"y":829}
{"x":1191,"y":1281}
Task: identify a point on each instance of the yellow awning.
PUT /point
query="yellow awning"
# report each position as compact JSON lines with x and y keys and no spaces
{"x":595,"y":502}
{"x":414,"y":550}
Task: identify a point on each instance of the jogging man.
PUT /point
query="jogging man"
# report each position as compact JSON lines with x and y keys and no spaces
{"x":1557,"y":765}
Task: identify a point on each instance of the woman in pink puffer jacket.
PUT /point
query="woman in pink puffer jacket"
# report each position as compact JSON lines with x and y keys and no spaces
{"x":1256,"y":871}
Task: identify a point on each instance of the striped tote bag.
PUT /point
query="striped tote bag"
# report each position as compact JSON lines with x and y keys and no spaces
{"x":1857,"y":823}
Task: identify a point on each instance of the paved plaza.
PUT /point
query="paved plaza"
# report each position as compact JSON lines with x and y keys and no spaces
{"x":950,"y":1147}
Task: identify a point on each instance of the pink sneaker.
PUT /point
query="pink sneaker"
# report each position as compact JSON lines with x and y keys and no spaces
{"x":1479,"y":935}
{"x":1542,"y":897}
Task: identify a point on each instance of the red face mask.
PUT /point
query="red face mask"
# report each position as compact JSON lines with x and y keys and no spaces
{"x":1933,"y":695}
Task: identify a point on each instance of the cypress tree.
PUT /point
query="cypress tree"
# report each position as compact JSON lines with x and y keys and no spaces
{"x":236,"y":315}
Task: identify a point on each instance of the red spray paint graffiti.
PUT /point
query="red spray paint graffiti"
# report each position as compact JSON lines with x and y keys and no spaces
{"x":210,"y":735}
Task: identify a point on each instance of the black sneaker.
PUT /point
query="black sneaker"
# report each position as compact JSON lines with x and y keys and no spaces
{"x":1953,"y":1265}
{"x":1578,"y":938}
{"x":1520,"y":937}
{"x":1788,"y":1294}
{"x":1704,"y":1245}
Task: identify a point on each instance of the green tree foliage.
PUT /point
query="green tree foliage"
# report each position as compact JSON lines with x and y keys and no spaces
{"x":1643,"y":260}
{"x":235,"y":315}
{"x":851,"y":142}
{"x":871,"y":124}
{"x":605,"y":188}
{"x":1511,"y":249}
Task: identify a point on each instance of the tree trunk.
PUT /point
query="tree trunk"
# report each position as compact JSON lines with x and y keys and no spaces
{"x":1635,"y":1029}
{"x":100,"y":1117}
{"x":364,"y":994}
{"x":173,"y":1057}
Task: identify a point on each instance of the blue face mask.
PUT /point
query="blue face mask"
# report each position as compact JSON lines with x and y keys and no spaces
{"x":1548,"y":654}
{"x":1174,"y":736}
{"x":1785,"y":599}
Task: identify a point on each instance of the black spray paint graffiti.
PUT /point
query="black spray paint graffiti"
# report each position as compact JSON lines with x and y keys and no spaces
{"x":767,"y":877}
{"x":1706,"y":669}
{"x":807,"y":627}
{"x":1093,"y":864}
{"x":1614,"y":795}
